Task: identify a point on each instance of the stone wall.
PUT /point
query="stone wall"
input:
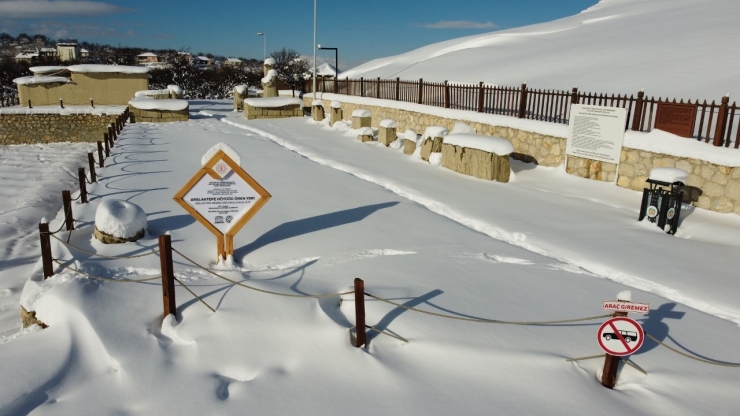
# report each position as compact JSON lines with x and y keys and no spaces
{"x":720,"y":185}
{"x":158,"y":116}
{"x":51,"y":128}
{"x":103,"y":88}
{"x":293,"y":110}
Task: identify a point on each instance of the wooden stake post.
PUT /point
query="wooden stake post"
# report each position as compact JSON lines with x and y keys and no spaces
{"x":221,"y":209}
{"x":168,"y":275}
{"x":361,"y":338}
{"x":611,"y":362}
{"x":83,"y":185}
{"x":44,"y":235}
{"x":101,"y":161}
{"x":67,"y":203}
{"x":91,"y":166}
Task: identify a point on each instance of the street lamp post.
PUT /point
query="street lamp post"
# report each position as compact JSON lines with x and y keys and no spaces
{"x":264,"y":44}
{"x":314,"y":50}
{"x":336,"y":58}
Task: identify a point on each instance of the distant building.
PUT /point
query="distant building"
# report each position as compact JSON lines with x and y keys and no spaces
{"x":84,"y":54}
{"x":68,"y":51}
{"x":47,"y":53}
{"x":30,"y":56}
{"x":203,"y":62}
{"x":146,"y":58}
{"x":186,"y":56}
{"x":234,"y":62}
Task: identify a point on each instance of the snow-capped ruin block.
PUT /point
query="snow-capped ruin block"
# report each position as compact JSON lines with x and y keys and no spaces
{"x":240,"y":94}
{"x":317,"y":110}
{"x":336,"y":112}
{"x":432,"y":141}
{"x":144,"y":110}
{"x":484,"y":157}
{"x":668,"y":175}
{"x":387,"y":131}
{"x":365,"y":134}
{"x":361,"y":118}
{"x":409,"y":141}
{"x":273,"y":107}
{"x":118,"y":221}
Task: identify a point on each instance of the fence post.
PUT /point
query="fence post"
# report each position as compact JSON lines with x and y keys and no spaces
{"x":447,"y":95}
{"x":611,"y":362}
{"x":421,"y":90}
{"x":29,"y":104}
{"x":61,"y":103}
{"x":481,"y":95}
{"x":44,"y":236}
{"x":719,"y":132}
{"x":362,"y":87}
{"x":101,"y":161}
{"x":361,"y":338}
{"x":92,"y":104}
{"x":91,"y":166}
{"x":398,"y":88}
{"x":638,"y":111}
{"x":107,"y":146}
{"x":574,"y":96}
{"x":168,"y":275}
{"x":377,"y":90}
{"x":69,"y":222}
{"x":83,"y":185}
{"x":523,"y":102}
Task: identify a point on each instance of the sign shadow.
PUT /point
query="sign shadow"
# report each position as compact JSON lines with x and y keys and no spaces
{"x":653,"y":324}
{"x":386,"y":320}
{"x":296,"y":228}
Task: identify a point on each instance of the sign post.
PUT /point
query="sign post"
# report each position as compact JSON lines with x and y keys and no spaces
{"x":619,"y":336}
{"x":222,"y":197}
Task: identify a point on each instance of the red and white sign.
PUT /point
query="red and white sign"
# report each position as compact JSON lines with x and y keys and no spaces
{"x":611,"y":305}
{"x":620,"y":336}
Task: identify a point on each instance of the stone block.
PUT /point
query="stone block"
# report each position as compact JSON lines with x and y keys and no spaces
{"x":336,"y":115}
{"x":477,"y":163}
{"x":359,"y":122}
{"x":365,"y":137}
{"x":409,"y":146}
{"x":317,"y":112}
{"x":386,"y":135}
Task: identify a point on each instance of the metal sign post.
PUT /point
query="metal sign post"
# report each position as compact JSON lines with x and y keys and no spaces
{"x":222,"y":197}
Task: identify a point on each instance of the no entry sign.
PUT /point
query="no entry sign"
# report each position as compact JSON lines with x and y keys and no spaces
{"x":620,"y":336}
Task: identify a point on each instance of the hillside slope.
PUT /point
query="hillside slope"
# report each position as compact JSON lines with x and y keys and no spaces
{"x":676,"y":48}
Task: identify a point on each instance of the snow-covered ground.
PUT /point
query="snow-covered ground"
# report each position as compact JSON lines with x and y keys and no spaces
{"x":546,"y":246}
{"x":674,"y":48}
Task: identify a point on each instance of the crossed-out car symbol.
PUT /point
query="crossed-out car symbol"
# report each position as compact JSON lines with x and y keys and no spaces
{"x":627,"y":335}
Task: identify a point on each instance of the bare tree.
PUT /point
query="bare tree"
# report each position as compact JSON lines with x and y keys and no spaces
{"x":291,"y":67}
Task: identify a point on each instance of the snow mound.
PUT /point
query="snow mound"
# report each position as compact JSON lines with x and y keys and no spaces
{"x":434,"y":131}
{"x":240,"y":89}
{"x":40,"y":80}
{"x":362,"y":113}
{"x":461,"y":127}
{"x":668,"y":175}
{"x":410,"y":135}
{"x":625,"y":295}
{"x":270,"y":75}
{"x":365,"y":131}
{"x":175,"y":89}
{"x":336,"y":104}
{"x":488,"y":144}
{"x":230,"y":152}
{"x":317,"y":103}
{"x":388,"y":123}
{"x":270,"y":61}
{"x":273,"y":102}
{"x":152,"y":104}
{"x":120,"y":218}
{"x":149,"y":93}
{"x":45,"y":70}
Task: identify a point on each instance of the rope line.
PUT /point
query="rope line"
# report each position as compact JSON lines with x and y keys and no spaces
{"x":109,"y":279}
{"x":487,"y":321}
{"x":102,"y":255}
{"x":701,"y":360}
{"x":59,"y":229}
{"x":590,"y":357}
{"x":78,"y":196}
{"x":193,"y":293}
{"x":386,"y":333}
{"x":635,"y":366}
{"x":269,"y":292}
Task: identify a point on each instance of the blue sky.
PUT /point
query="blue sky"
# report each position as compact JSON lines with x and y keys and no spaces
{"x":362,"y":30}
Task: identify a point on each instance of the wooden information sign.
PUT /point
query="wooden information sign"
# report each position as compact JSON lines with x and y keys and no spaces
{"x":678,"y":119}
{"x":222,"y":197}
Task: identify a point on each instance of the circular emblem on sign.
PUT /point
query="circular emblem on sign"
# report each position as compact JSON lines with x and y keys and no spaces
{"x":221,"y":168}
{"x":620,"y":336}
{"x":652,"y":211}
{"x":228,"y":219}
{"x":671,"y":212}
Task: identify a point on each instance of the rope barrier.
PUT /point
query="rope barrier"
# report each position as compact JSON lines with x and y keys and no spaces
{"x":488,"y":321}
{"x":78,"y":196}
{"x":109,"y":279}
{"x":701,"y":360}
{"x":58,"y":230}
{"x":269,"y":292}
{"x":102,"y":255}
{"x":193,"y":293}
{"x":590,"y":357}
{"x":387,"y":333}
{"x":635,"y":366}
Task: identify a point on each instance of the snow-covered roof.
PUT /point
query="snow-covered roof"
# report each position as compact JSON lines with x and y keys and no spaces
{"x":120,"y":69}
{"x":27,"y":55}
{"x":234,"y":60}
{"x":40,"y":80}
{"x":145,"y":54}
{"x":203,"y":58}
{"x":49,"y":50}
{"x":44,"y":70}
{"x":326,"y":70}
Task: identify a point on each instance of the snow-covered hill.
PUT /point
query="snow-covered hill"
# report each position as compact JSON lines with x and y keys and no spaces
{"x":676,"y":48}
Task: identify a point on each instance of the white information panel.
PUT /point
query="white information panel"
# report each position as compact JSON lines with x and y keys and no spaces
{"x":596,"y":132}
{"x":222,"y":202}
